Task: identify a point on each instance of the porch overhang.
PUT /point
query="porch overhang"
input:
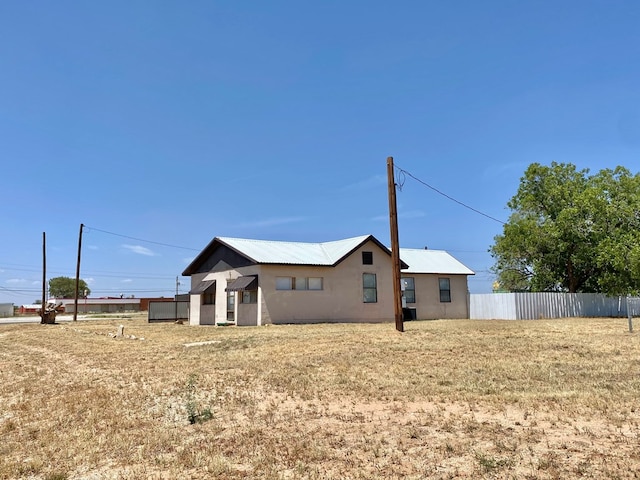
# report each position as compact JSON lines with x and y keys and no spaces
{"x":243,"y":283}
{"x":202,"y":287}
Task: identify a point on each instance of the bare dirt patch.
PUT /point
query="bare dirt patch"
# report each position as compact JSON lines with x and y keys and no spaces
{"x":446,"y":399}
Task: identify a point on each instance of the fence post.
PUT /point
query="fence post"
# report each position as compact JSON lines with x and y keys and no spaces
{"x":629,"y":315}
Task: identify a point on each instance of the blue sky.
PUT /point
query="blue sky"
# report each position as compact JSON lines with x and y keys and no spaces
{"x":175,"y":122}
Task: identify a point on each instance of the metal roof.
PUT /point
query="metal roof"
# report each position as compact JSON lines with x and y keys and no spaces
{"x":294,"y":253}
{"x":329,"y":254}
{"x":202,"y":287}
{"x":432,"y":261}
{"x":243,"y":283}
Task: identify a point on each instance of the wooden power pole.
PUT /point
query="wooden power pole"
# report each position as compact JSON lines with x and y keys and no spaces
{"x":43,"y":305}
{"x":395,"y":247}
{"x":75,"y":302}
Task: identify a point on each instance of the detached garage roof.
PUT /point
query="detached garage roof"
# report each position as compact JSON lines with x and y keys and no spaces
{"x":432,"y":261}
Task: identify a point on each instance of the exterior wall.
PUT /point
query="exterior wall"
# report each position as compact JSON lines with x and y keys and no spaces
{"x":6,"y":309}
{"x":212,"y":314}
{"x":194,"y":302}
{"x":247,"y":314}
{"x":428,"y":305}
{"x":28,"y":309}
{"x":341,"y":299}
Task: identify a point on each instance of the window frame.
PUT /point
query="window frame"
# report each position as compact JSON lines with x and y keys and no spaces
{"x":445,"y":292}
{"x":411,"y":299}
{"x":231,"y":306}
{"x":280,"y":287}
{"x":321,"y":281}
{"x":208,"y":297}
{"x":368,"y":289}
{"x":299,"y":284}
{"x":249,"y":297}
{"x":367,"y":258}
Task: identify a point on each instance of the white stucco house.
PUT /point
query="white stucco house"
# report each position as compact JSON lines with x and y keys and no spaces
{"x":258,"y":282}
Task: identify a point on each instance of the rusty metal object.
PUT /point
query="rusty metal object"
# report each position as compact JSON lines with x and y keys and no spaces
{"x":48,"y":314}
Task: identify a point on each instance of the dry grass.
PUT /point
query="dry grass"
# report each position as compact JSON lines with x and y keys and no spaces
{"x":446,"y":399}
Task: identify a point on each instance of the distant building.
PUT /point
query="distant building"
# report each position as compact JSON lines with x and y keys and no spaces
{"x":29,"y":309}
{"x":6,"y":309}
{"x":107,"y":304}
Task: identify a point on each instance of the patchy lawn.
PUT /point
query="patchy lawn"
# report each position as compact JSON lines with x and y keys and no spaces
{"x":446,"y":399}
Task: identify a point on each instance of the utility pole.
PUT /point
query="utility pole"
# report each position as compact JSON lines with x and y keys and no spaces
{"x":43,"y":305}
{"x":75,"y":303}
{"x":176,"y":302}
{"x":395,"y":247}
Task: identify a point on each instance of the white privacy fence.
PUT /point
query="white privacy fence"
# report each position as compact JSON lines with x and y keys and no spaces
{"x":530,"y":306}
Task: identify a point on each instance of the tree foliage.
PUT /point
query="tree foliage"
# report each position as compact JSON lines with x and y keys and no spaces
{"x":65,"y":287}
{"x":571,"y":231}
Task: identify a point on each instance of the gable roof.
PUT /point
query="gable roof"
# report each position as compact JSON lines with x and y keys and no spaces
{"x":327,"y":254}
{"x":432,"y":261}
{"x":286,"y":253}
{"x":295,"y":253}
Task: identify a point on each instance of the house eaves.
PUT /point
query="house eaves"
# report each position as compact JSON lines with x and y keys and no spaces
{"x":271,"y":252}
{"x":432,"y":261}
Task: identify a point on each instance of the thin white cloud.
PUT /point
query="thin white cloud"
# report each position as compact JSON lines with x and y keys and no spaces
{"x":92,"y":247}
{"x":271,"y":222}
{"x":16,"y":280}
{"x":367,"y":183}
{"x":127,"y":280}
{"x":140,"y":250}
{"x":89,"y":280}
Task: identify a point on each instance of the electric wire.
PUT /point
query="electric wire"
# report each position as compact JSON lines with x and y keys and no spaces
{"x":403,"y":173}
{"x":140,"y":239}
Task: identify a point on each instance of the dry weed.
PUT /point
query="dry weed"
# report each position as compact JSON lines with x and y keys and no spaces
{"x":446,"y":399}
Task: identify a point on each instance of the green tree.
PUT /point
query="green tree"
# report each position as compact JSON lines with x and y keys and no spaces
{"x":571,"y":231}
{"x":65,"y":287}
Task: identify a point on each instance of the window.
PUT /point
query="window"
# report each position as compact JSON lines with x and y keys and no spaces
{"x":315,"y":283}
{"x":231,"y":305}
{"x":250,"y":296}
{"x":367,"y":258}
{"x":409,"y":289}
{"x":299,"y":283}
{"x":209,"y":297}
{"x":445,"y":290}
{"x":369,"y":288}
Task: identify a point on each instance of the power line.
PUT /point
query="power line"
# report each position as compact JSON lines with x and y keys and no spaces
{"x":401,"y":184}
{"x":140,"y":239}
{"x":93,"y":273}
